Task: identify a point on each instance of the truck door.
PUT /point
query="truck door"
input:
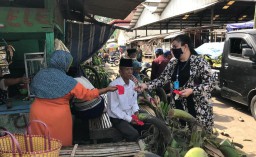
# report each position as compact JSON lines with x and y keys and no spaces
{"x":237,"y":72}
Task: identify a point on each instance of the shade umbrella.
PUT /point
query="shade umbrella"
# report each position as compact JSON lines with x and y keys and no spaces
{"x":112,"y":45}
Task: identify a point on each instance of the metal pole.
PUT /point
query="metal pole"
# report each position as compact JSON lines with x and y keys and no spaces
{"x":160,"y":28}
{"x":180,"y":24}
{"x":212,"y":12}
{"x":195,"y":38}
{"x":167,"y":27}
{"x":135,"y":33}
{"x":254,"y":16}
{"x":146,"y":31}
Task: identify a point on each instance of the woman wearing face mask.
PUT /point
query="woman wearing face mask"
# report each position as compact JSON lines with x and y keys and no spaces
{"x":191,"y":75}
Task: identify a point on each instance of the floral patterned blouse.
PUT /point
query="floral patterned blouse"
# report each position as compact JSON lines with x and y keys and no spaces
{"x":199,"y":70}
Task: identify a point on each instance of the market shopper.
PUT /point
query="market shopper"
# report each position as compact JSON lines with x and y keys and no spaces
{"x":191,"y":75}
{"x":168,"y":55}
{"x":139,"y":54}
{"x":6,"y":82}
{"x":158,"y":64}
{"x":132,"y":54}
{"x":123,"y":106}
{"x":53,"y":90}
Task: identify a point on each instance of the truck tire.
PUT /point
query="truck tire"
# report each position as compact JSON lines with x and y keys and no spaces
{"x":253,"y":106}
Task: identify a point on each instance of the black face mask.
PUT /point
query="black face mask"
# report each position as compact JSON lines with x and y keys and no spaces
{"x":177,"y":53}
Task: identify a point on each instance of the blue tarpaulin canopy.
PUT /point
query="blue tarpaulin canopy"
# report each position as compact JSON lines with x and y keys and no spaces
{"x":214,"y":50}
{"x":244,"y":25}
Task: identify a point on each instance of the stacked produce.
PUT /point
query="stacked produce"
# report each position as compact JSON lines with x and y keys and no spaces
{"x":169,"y":138}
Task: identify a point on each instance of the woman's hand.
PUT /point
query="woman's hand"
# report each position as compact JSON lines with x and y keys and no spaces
{"x":107,"y":89}
{"x":141,"y":87}
{"x":186,"y":92}
{"x":111,"y":88}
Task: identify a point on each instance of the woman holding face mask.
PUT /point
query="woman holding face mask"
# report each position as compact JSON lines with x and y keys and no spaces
{"x":191,"y":75}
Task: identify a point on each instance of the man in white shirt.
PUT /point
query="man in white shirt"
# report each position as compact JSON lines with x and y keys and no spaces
{"x":123,"y":106}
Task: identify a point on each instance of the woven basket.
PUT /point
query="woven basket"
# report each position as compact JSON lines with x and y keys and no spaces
{"x":27,"y":145}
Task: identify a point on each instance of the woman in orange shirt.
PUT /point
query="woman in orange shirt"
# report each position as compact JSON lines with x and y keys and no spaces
{"x":53,"y":90}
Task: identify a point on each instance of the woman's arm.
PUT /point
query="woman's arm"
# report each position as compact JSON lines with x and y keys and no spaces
{"x":80,"y":92}
{"x":160,"y":81}
{"x":13,"y":81}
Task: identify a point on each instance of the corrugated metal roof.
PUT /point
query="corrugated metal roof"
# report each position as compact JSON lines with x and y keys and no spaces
{"x":149,"y":37}
{"x":199,"y":14}
{"x":159,"y":7}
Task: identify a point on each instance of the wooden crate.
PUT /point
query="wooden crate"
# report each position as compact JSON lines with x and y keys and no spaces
{"x":102,"y":150}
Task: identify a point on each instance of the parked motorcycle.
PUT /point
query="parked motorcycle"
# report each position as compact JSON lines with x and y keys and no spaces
{"x":113,"y":60}
{"x":145,"y":71}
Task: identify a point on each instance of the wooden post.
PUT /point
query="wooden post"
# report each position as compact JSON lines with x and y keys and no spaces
{"x":49,"y":44}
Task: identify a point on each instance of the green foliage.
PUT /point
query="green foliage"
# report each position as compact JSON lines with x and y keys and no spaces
{"x":96,"y":75}
{"x":215,"y":63}
{"x":180,"y":139}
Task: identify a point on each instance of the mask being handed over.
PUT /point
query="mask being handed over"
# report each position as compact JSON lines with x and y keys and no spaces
{"x":177,"y":53}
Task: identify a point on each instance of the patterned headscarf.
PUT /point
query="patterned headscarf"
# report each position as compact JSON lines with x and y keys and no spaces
{"x":53,"y":82}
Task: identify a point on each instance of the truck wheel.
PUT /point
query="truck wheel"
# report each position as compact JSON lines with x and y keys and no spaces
{"x":253,"y":107}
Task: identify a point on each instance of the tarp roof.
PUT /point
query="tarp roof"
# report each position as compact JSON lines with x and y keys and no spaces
{"x":243,"y":25}
{"x":116,"y":9}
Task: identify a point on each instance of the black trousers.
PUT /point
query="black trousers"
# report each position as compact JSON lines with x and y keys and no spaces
{"x":127,"y":129}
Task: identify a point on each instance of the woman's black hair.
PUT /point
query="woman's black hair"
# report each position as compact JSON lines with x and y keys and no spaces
{"x":185,"y":39}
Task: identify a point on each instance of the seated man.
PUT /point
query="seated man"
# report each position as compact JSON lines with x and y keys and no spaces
{"x":123,"y":106}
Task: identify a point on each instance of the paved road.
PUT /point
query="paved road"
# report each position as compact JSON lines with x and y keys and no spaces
{"x":227,"y":114}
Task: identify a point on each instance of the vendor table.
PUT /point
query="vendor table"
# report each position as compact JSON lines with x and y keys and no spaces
{"x":102,"y":150}
{"x":16,"y":118}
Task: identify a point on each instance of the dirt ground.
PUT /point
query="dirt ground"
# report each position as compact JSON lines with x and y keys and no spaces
{"x":229,"y":117}
{"x":237,"y":122}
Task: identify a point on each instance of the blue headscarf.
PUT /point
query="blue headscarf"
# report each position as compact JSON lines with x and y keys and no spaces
{"x":53,"y":82}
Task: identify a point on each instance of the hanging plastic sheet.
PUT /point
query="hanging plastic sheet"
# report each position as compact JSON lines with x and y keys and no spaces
{"x":83,"y":40}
